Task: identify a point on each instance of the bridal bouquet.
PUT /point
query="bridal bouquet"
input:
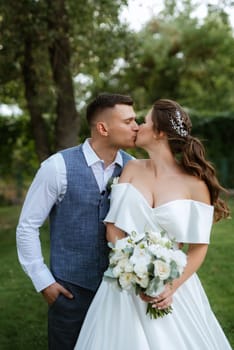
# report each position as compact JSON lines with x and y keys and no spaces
{"x":145,"y":262}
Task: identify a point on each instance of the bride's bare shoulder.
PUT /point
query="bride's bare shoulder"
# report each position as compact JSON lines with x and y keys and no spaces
{"x":131,"y":168}
{"x":198,"y":189}
{"x":136,"y":164}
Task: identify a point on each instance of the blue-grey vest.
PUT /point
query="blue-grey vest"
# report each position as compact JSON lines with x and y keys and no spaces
{"x":79,"y":251}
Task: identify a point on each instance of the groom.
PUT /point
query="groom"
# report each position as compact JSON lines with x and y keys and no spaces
{"x":70,"y":188}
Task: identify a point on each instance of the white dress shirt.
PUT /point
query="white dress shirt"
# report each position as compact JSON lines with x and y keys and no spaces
{"x":48,"y":188}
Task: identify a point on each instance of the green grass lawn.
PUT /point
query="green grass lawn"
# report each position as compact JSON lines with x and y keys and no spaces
{"x":23,"y":312}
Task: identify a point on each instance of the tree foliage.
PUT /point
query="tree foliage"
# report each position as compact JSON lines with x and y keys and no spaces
{"x":44,"y":44}
{"x":179,"y":56}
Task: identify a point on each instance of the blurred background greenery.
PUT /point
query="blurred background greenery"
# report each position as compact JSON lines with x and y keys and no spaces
{"x":56,"y":56}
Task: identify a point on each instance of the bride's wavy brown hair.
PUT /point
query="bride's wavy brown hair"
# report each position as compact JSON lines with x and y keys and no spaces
{"x":168,"y":116}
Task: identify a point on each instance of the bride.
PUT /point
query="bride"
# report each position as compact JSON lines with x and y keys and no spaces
{"x":177,"y":191}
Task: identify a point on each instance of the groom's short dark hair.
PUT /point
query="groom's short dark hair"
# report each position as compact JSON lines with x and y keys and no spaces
{"x":103,"y":101}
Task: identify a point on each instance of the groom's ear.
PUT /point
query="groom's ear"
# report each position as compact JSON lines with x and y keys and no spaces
{"x":102,"y":128}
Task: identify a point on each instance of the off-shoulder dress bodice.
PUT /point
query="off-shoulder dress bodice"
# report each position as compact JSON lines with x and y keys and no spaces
{"x":184,"y":220}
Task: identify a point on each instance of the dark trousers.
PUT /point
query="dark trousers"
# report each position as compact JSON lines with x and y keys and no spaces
{"x":65,"y":317}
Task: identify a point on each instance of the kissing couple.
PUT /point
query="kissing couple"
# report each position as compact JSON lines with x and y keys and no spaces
{"x":174,"y":190}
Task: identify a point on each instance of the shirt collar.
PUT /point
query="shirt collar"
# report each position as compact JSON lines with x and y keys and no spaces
{"x":92,"y":158}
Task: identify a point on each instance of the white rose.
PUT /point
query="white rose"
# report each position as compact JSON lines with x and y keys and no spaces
{"x":154,"y":236}
{"x":128,"y":267}
{"x":126,"y":280}
{"x":143,"y":282}
{"x":160,"y":252}
{"x":141,"y":268}
{"x":117,"y":271}
{"x":125,"y":265}
{"x":117,"y":256}
{"x":161,"y":269}
{"x":140,"y":253}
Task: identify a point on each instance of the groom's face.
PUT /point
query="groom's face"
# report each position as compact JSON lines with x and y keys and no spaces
{"x":122,"y":126}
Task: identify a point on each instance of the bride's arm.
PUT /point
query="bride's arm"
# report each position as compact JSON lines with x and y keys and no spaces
{"x":113,"y":233}
{"x":195,"y":257}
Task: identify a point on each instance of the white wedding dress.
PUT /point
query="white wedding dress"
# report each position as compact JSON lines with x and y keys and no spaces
{"x":117,"y":320}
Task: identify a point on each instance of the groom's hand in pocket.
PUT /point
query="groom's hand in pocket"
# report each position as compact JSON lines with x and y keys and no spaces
{"x":52,"y":292}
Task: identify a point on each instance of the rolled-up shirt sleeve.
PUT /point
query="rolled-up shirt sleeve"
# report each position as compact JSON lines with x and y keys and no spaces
{"x":47,"y":188}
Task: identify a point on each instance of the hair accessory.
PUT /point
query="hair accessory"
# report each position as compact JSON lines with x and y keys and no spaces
{"x":177,"y":124}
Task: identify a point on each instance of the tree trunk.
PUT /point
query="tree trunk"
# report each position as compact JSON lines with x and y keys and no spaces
{"x":33,"y":101}
{"x":67,"y":122}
